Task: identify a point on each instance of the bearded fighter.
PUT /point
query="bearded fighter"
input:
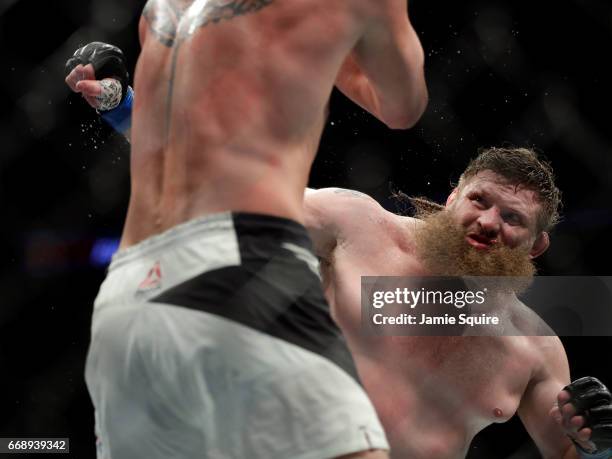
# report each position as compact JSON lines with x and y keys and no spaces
{"x":211,"y":336}
{"x":434,"y":393}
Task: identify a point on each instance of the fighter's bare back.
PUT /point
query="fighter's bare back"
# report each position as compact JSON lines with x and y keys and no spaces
{"x":231,"y":103}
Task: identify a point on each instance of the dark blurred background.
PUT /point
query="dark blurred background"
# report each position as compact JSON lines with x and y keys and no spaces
{"x":525,"y":73}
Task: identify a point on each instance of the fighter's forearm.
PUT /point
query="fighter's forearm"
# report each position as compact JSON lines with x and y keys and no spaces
{"x":384,"y":73}
{"x":356,"y":85}
{"x":353,"y":82}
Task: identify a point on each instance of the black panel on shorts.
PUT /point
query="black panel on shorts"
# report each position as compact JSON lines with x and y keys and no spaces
{"x":272,"y":291}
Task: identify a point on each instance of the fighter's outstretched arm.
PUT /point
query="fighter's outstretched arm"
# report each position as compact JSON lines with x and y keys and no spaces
{"x":384,"y":73}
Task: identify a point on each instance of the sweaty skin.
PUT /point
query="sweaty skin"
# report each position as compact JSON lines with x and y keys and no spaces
{"x":231,"y":99}
{"x":434,"y":394}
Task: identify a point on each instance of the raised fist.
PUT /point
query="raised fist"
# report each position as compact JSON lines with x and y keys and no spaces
{"x":99,"y":73}
{"x":584,"y":411}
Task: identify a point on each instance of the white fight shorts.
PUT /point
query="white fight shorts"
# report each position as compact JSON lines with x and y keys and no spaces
{"x":213,"y":340}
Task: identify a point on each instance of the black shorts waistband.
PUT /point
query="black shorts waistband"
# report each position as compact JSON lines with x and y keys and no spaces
{"x":269,"y":231}
{"x":271,"y":228}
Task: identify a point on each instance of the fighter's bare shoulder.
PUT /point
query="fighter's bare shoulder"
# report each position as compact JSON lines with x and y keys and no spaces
{"x":345,"y":206}
{"x":334,"y":196}
{"x":528,"y":322}
{"x":355,"y":215}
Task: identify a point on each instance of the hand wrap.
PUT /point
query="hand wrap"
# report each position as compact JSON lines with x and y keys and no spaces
{"x":120,"y":118}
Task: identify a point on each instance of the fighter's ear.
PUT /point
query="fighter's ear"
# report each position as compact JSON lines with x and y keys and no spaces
{"x":452,"y":196}
{"x":540,"y":245}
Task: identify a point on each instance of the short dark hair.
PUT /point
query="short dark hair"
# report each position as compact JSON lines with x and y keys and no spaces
{"x":521,"y":167}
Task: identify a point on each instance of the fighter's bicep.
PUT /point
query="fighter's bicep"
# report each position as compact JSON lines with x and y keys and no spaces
{"x":535,"y":414}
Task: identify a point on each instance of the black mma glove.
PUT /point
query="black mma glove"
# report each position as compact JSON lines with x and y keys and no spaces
{"x":115,"y":98}
{"x":593,"y":400}
{"x":107,"y":60}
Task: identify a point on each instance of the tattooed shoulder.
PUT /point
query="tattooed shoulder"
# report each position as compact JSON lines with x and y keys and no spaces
{"x":163,"y":17}
{"x":172,"y":20}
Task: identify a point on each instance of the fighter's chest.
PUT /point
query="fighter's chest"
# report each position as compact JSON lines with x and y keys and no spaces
{"x":479,"y":379}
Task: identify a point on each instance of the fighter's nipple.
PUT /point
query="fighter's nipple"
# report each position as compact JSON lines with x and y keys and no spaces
{"x":498,"y":413}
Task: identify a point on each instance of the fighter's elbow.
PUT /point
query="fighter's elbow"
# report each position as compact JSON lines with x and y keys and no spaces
{"x":408,"y":114}
{"x":399,"y":123}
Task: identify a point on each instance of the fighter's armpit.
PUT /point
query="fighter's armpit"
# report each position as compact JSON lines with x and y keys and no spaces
{"x":172,"y":20}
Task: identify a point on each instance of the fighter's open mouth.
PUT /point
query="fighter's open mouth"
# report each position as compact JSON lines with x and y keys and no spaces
{"x":479,"y":242}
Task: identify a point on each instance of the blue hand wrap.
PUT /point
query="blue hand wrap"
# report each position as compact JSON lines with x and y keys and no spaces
{"x":605,"y":454}
{"x":120,"y":117}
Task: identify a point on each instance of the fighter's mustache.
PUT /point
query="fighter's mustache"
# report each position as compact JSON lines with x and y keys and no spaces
{"x":482,"y":239}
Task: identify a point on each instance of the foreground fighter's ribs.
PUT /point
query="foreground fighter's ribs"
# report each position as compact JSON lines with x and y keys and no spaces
{"x":172,"y":20}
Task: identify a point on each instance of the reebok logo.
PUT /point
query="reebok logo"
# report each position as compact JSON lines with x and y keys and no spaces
{"x":153,"y":279}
